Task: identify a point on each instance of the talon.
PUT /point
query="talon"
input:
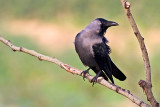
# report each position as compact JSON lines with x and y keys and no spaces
{"x":94,"y":80}
{"x":83,"y":73}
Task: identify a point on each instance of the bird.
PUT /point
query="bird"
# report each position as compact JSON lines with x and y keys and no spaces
{"x":93,"y":51}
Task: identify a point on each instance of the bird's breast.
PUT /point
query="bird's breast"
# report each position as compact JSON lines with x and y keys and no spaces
{"x":85,"y":51}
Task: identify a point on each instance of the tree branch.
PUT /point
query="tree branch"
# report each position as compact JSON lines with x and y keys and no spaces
{"x":145,"y":84}
{"x":72,"y":70}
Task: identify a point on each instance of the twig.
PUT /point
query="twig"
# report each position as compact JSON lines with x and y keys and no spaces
{"x":147,"y":84}
{"x":72,"y":70}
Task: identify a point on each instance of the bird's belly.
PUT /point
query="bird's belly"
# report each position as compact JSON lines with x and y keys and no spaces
{"x":86,"y":55}
{"x":88,"y":60}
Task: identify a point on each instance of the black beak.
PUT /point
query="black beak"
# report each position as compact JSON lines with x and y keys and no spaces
{"x":111,"y":23}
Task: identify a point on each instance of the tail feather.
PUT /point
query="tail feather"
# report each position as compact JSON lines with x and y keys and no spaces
{"x":108,"y":73}
{"x":117,"y":73}
{"x":104,"y":76}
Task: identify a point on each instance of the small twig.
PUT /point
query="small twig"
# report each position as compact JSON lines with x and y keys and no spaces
{"x":147,"y":84}
{"x":72,"y":70}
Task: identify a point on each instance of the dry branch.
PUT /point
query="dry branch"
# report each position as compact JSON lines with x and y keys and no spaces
{"x":145,"y":84}
{"x":72,"y":70}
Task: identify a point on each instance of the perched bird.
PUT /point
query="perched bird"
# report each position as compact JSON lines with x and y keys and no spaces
{"x":90,"y":45}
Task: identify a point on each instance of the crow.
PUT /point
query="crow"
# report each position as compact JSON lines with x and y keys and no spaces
{"x":92,"y":49}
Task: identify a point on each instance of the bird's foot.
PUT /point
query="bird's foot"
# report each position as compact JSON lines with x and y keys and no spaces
{"x":94,"y":80}
{"x":83,"y":73}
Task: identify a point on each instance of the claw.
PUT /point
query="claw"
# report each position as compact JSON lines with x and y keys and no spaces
{"x":83,"y":73}
{"x":94,"y":80}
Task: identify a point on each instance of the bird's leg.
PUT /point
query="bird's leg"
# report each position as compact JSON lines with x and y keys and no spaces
{"x":94,"y":80}
{"x":83,"y":73}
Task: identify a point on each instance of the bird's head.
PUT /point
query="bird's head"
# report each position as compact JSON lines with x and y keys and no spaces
{"x":100,"y":25}
{"x":105,"y":23}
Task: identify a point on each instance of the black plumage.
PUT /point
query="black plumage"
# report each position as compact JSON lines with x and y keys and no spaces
{"x":92,"y":48}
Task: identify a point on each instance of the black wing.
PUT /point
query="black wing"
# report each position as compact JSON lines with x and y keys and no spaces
{"x":101,"y":54}
{"x":102,"y":58}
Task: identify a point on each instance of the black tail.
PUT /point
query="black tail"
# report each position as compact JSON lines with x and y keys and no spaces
{"x":108,"y":72}
{"x":117,"y":73}
{"x":102,"y":74}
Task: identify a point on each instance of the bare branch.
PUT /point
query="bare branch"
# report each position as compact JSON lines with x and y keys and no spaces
{"x":147,"y":84}
{"x":72,"y":70}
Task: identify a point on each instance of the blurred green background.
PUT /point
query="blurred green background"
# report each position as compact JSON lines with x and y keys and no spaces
{"x":49,"y":27}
